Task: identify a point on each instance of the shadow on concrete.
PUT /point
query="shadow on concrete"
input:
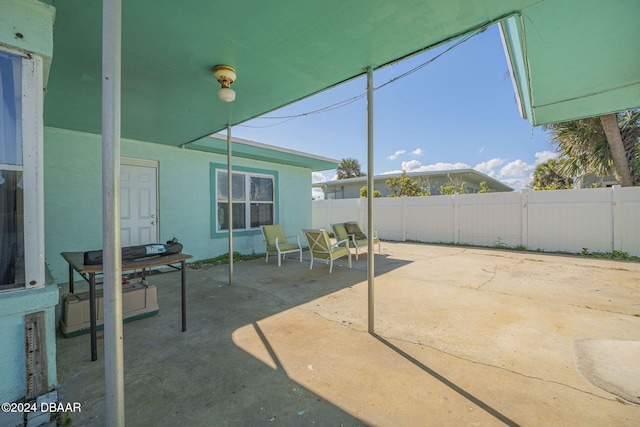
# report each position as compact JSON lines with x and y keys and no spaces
{"x":201,"y":376}
{"x":481,"y":335}
{"x":473,"y":399}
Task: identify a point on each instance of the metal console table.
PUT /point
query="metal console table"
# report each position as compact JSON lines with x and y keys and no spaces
{"x":76,"y":263}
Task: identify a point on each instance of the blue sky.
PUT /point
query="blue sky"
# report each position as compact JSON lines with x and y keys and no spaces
{"x":459,"y":111}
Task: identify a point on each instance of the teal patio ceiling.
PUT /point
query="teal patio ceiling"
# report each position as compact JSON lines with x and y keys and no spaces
{"x":282,"y":50}
{"x":575,"y":59}
{"x":285,"y":50}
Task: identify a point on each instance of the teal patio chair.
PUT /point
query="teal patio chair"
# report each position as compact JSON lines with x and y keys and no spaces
{"x":320,"y":247}
{"x":277,"y":243}
{"x":351,"y":232}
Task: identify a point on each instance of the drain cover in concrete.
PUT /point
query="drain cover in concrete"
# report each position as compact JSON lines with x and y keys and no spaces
{"x":613,"y":366}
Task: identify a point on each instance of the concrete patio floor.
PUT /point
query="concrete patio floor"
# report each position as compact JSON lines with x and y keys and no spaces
{"x":466,"y":337}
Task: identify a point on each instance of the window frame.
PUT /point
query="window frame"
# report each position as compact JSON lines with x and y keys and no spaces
{"x":248,"y":172}
{"x":32,"y":167}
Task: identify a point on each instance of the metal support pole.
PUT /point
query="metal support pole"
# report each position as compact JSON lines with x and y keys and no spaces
{"x":183,"y":284}
{"x":112,"y":280}
{"x":230,"y":210}
{"x":93,"y":322}
{"x":370,"y":245}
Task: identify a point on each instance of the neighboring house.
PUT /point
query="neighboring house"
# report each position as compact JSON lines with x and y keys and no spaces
{"x":590,"y":180}
{"x":51,"y":200}
{"x":431,"y":180}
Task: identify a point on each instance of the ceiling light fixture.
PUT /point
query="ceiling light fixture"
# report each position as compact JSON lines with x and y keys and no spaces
{"x":225,"y":76}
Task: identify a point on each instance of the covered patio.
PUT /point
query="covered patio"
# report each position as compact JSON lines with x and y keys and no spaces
{"x":500,"y":341}
{"x":279,"y":346}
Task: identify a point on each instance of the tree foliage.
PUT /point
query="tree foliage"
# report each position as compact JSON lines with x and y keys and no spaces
{"x":484,"y":187}
{"x":363,"y":192}
{"x":454,"y":186}
{"x":349,"y":168}
{"x":404,"y":186}
{"x":585,"y":147}
{"x":548,"y":177}
{"x":629,"y":123}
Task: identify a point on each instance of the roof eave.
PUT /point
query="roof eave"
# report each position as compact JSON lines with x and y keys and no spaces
{"x":514,"y":46}
{"x":217,"y":143}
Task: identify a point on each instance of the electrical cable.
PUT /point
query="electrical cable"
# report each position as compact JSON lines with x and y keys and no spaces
{"x":346,"y":102}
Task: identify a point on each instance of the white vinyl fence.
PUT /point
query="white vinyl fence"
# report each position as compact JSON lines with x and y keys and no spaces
{"x":602,"y":219}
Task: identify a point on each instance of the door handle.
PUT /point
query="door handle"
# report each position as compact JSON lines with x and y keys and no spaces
{"x":154,"y":222}
{"x":153,"y":215}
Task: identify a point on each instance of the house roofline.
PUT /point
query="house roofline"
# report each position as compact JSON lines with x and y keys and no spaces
{"x":217,"y":143}
{"x":221,"y":136}
{"x":483,"y":177}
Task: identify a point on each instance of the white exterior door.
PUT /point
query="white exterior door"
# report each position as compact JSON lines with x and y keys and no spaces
{"x":138,"y":204}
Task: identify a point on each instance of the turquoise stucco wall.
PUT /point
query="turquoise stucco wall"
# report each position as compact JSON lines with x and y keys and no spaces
{"x":26,"y":26}
{"x":13,"y":307}
{"x":73,"y":196}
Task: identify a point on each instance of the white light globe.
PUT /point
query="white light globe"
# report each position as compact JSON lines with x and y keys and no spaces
{"x":227,"y":95}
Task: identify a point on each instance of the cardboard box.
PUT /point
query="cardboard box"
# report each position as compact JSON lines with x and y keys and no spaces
{"x":138,"y":301}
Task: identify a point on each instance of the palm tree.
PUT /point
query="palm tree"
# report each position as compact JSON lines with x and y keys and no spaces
{"x":629,"y":123}
{"x":599,"y":145}
{"x":621,"y":168}
{"x":547,"y":177}
{"x":349,"y":168}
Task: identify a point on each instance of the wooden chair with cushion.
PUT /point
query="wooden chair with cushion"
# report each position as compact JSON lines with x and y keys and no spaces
{"x":356,"y":239}
{"x":320,"y":247}
{"x":277,"y":243}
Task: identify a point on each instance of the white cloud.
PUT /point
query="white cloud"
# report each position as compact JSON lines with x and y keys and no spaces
{"x":518,"y":174}
{"x":444,"y":166}
{"x":411,"y":165}
{"x":488,"y":167}
{"x":317,"y":194}
{"x":544,"y":156}
{"x":416,"y":166}
{"x":318,"y":177}
{"x":517,"y":184}
{"x":396,"y":154}
{"x":418,"y":152}
{"x":517,"y":168}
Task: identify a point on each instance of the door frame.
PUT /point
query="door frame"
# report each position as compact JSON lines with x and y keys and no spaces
{"x":132,"y":161}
